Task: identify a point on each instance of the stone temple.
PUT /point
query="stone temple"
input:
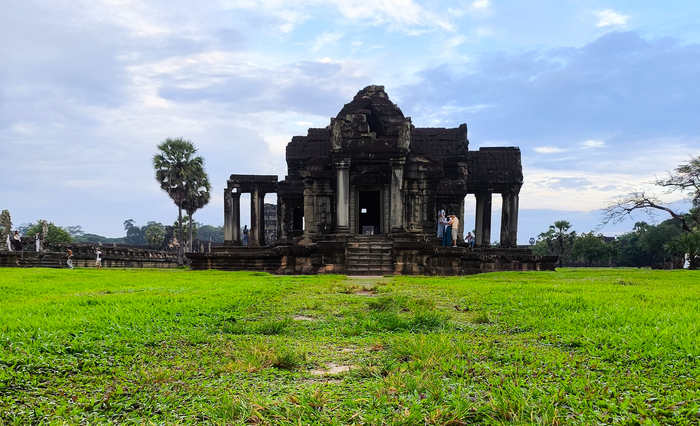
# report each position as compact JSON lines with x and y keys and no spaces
{"x":361,"y":197}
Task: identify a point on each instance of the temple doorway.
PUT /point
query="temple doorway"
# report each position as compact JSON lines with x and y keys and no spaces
{"x":370,"y":216}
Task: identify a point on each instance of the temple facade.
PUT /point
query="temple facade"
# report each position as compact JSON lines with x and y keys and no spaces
{"x":370,"y":171}
{"x":365,"y":191}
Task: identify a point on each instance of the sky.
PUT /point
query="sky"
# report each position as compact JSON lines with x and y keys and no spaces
{"x":600,"y":96}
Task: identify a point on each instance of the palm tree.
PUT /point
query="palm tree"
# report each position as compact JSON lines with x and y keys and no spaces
{"x":197,"y":195}
{"x":177,"y":168}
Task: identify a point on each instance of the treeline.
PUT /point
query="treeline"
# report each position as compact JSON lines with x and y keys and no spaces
{"x":152,"y":234}
{"x":644,"y":245}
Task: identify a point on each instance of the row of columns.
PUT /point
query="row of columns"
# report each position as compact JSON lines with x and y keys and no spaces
{"x":509,"y":219}
{"x":396,"y":215}
{"x":232,"y":217}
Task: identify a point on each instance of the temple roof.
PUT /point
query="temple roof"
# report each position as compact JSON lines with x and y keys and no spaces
{"x":383,"y":116}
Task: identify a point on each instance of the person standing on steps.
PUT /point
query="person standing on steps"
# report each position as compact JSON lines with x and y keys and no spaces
{"x":454,"y":222}
{"x":441,"y":221}
{"x":17,"y":242}
{"x":245,"y":235}
{"x":447,"y":234}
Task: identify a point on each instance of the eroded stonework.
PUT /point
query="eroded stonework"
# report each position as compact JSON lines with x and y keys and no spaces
{"x":364,"y":192}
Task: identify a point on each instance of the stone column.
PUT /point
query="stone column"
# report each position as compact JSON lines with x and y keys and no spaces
{"x":462,"y":222}
{"x":228,"y":219}
{"x":281,"y":215}
{"x":261,"y":218}
{"x":486,"y":228}
{"x":236,"y":217}
{"x":255,"y":224}
{"x":483,"y":220}
{"x":343,"y":196}
{"x":396,"y":212}
{"x":309,"y":224}
{"x":505,"y":219}
{"x":479,"y":220}
{"x":513,"y":223}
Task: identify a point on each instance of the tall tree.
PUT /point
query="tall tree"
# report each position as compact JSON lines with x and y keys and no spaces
{"x":559,"y":240}
{"x":591,"y":248}
{"x":197,"y":195}
{"x":177,"y":167}
{"x":134,"y":234}
{"x":684,"y":180}
{"x":56,"y":234}
{"x":688,"y":247}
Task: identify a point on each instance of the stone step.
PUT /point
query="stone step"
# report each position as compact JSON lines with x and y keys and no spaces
{"x":369,"y":260}
{"x":369,"y":272}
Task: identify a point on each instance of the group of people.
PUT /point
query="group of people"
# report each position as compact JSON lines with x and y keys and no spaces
{"x":448,"y":229}
{"x":98,"y":258}
{"x":16,"y":242}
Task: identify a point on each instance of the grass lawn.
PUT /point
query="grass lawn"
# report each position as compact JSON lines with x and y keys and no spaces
{"x":575,"y":346}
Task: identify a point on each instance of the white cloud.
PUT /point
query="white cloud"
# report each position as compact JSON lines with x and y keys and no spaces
{"x":593,"y":144}
{"x":484,"y":32}
{"x":405,"y":15}
{"x":324,"y":40}
{"x":549,"y":150}
{"x":610,"y":17}
{"x":480,"y":4}
{"x":572,"y":190}
{"x":24,"y":128}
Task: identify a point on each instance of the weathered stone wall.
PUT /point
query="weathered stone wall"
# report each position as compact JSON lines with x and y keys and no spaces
{"x":412,"y":257}
{"x":84,"y":257}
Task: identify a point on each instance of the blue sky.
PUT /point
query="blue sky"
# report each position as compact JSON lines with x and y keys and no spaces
{"x":600,"y":96}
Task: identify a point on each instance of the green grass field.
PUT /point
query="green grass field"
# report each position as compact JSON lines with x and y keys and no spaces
{"x":576,"y":346}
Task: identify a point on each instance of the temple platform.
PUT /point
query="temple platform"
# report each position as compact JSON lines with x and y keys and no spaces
{"x":371,"y":255}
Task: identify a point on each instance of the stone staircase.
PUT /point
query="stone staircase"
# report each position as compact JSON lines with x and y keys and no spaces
{"x":369,"y":255}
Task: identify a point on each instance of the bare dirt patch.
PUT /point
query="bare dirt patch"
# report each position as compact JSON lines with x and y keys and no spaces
{"x":304,"y":318}
{"x":331,"y":369}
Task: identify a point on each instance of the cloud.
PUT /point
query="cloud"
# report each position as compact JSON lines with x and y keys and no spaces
{"x":611,"y":89}
{"x":609,"y":17}
{"x":325,"y":39}
{"x":593,"y":144}
{"x":549,"y":150}
{"x":484,"y":32}
{"x":480,"y":4}
{"x":408,"y":16}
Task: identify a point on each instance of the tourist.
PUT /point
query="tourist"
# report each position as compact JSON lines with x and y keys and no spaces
{"x":469,"y":240}
{"x":441,"y":221}
{"x":37,"y":241}
{"x":245,"y":235}
{"x":69,"y":262}
{"x":454,"y":222}
{"x":98,"y":258}
{"x":447,"y":233}
{"x":17,"y":242}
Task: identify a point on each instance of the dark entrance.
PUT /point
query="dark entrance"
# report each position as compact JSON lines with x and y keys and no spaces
{"x":297,"y":221}
{"x":370,"y":211}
